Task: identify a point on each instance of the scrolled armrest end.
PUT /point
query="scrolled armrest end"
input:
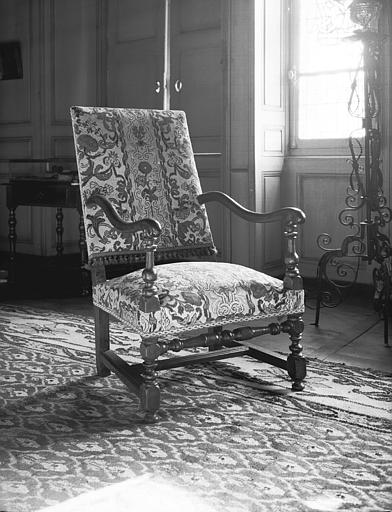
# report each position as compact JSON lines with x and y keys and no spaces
{"x":150,"y":227}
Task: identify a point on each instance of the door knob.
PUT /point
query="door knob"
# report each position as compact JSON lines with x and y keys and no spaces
{"x":178,"y":85}
{"x":158,"y":87}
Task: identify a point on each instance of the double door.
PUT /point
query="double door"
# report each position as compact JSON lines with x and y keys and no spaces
{"x":170,"y":54}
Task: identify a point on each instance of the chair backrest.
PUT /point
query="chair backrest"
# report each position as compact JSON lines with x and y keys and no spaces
{"x":142,"y":162}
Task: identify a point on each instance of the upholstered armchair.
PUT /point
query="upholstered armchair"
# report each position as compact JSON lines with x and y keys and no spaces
{"x":143,"y":206}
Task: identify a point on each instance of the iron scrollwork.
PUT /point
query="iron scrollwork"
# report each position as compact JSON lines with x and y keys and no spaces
{"x":366,"y":211}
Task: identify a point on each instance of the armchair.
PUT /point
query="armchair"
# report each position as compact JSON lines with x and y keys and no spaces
{"x":142,"y":204}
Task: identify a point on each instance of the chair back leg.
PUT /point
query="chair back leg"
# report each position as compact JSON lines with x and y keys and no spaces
{"x":102,"y":340}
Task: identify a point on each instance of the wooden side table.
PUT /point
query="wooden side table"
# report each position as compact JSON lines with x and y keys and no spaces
{"x":45,"y":193}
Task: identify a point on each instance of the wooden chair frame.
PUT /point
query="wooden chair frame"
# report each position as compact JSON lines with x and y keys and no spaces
{"x":222,"y":343}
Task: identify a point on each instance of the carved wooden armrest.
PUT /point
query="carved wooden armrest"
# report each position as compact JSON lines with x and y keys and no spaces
{"x":250,"y":215}
{"x":292,"y":216}
{"x":151,"y":230}
{"x":151,"y":227}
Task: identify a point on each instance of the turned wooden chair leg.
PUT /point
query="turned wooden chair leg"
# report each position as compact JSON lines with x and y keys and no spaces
{"x":215,"y":330}
{"x":150,"y":393}
{"x":296,"y":363}
{"x":102,"y":339}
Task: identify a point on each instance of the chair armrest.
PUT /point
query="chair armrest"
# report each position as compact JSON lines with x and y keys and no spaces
{"x":149,"y":226}
{"x":293,"y":216}
{"x":250,"y":215}
{"x":149,"y":300}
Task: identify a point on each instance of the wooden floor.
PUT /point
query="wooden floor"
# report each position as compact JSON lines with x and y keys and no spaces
{"x":351,"y":333}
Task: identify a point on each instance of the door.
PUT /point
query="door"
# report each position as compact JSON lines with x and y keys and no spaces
{"x":135,"y":53}
{"x":196,"y":86}
{"x":177,"y":43}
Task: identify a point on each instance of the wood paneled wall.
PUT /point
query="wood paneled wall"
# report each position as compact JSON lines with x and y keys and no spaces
{"x":90,"y":51}
{"x":63,"y":64}
{"x":19,"y":111}
{"x":95,"y":52}
{"x":318,"y":183}
{"x":255,"y":126}
{"x":270,"y":119}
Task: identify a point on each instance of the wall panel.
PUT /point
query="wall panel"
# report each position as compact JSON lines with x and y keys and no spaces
{"x":135,"y":53}
{"x":201,"y":81}
{"x":240,"y":84}
{"x":62,"y":146}
{"x":15,"y":147}
{"x":19,"y":137}
{"x":323,"y":195}
{"x":272,"y":240}
{"x":273,"y":89}
{"x":200,"y":15}
{"x":16,"y":25}
{"x":318,"y":185}
{"x":73,"y":56}
{"x":240,"y":228}
{"x":74,"y":62}
{"x":270,"y":126}
{"x":210,"y":180}
{"x":136,"y":20}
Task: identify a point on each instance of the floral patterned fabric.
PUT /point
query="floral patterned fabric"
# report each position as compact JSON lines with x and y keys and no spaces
{"x":197,"y":295}
{"x":142,"y":162}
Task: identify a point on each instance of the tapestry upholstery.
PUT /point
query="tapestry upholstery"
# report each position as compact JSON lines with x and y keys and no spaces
{"x":142,"y":162}
{"x":138,"y":164}
{"x":197,"y":295}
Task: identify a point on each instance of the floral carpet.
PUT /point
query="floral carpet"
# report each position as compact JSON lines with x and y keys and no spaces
{"x":232,"y":432}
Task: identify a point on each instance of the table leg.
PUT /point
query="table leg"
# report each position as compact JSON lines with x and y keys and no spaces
{"x":12,"y":243}
{"x":59,"y":232}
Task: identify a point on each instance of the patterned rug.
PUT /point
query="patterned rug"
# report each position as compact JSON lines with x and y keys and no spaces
{"x":231,"y":433}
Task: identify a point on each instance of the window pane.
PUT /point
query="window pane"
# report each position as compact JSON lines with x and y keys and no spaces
{"x":323,"y":106}
{"x":326,"y":64}
{"x":323,"y":29}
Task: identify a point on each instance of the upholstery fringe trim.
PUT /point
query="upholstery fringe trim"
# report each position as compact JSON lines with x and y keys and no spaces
{"x":161,"y":255}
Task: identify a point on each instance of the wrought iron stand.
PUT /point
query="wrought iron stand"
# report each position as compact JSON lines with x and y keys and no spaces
{"x":365,"y":197}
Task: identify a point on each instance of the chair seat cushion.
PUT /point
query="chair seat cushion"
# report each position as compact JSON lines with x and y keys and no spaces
{"x":196,"y":295}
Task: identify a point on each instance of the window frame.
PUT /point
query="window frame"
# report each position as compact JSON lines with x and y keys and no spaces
{"x":297,"y":146}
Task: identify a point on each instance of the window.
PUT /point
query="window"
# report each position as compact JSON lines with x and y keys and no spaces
{"x":324,"y":63}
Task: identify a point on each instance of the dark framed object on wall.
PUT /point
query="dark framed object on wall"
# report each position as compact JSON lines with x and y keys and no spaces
{"x":10,"y":60}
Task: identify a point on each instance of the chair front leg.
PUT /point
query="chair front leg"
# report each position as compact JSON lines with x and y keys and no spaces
{"x":296,"y":363}
{"x":102,"y":339}
{"x":150,"y":393}
{"x":215,"y":331}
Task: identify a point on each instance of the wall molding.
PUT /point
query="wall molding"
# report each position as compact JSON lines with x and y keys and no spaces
{"x":23,"y":139}
{"x":301,"y":178}
{"x":273,"y":140}
{"x":27,"y":56}
{"x":268,"y":30}
{"x":55,"y":146}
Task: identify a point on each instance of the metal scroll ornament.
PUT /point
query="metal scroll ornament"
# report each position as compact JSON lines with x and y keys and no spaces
{"x":366,"y":211}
